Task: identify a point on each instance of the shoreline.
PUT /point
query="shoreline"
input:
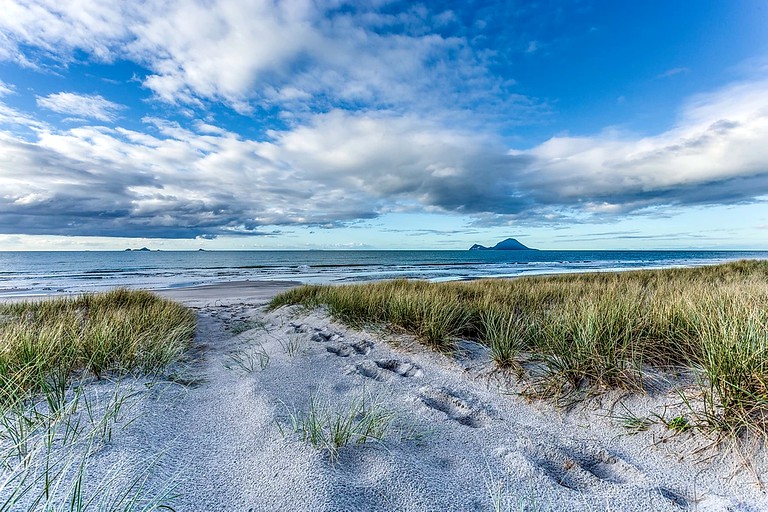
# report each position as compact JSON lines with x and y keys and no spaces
{"x":12,"y":294}
{"x":230,"y":290}
{"x":49,"y":274}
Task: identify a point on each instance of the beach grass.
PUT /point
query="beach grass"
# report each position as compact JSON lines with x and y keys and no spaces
{"x":248,"y":360}
{"x":592,"y":332}
{"x":50,"y":425}
{"x":329,"y":428}
{"x":45,"y":343}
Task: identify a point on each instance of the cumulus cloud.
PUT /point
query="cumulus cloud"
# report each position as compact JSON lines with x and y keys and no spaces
{"x":712,"y":156}
{"x":203,"y":182}
{"x":116,"y":182}
{"x":340,"y":167}
{"x":81,"y":105}
{"x":419,"y":162}
{"x":258,"y":52}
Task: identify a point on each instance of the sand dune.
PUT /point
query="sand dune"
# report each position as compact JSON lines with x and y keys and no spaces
{"x":457,"y":437}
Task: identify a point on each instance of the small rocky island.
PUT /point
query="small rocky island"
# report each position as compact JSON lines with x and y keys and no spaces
{"x":510,"y":244}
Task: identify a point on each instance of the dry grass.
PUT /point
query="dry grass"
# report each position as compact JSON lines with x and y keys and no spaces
{"x":43,"y":344}
{"x":591,"y":332}
{"x":48,"y":428}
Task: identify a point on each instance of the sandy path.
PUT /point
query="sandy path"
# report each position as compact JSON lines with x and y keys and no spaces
{"x":457,"y":441}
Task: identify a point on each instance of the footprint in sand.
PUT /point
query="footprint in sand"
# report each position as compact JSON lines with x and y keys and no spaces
{"x":401,"y":368}
{"x":321,"y":336}
{"x":384,"y":369}
{"x":681,"y":502}
{"x":297,"y":328}
{"x":362,"y":347}
{"x":462,"y":408}
{"x":582,"y":469}
{"x":369,"y":369}
{"x":341,"y":350}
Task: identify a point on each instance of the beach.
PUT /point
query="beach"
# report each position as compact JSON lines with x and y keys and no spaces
{"x":383,"y":256}
{"x":227,"y":429}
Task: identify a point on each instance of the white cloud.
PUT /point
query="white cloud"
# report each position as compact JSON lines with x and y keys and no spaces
{"x":407,"y":158}
{"x":713,"y":154}
{"x":11,"y":116}
{"x":258,"y":51}
{"x":220,"y":49}
{"x":81,"y":105}
{"x":293,"y":52}
{"x":340,"y":167}
{"x":5,"y":89}
{"x":674,"y":71}
{"x":57,"y":28}
{"x":184,"y":183}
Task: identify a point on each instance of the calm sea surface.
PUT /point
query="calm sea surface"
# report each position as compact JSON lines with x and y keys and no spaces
{"x":32,"y":273}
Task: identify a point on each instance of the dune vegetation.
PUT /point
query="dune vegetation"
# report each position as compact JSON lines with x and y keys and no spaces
{"x":51,"y":426}
{"x":578,"y":334}
{"x":45,"y":343}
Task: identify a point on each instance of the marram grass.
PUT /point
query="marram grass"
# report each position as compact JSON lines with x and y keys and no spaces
{"x":44,"y":343}
{"x":593,"y":331}
{"x":330,"y":428}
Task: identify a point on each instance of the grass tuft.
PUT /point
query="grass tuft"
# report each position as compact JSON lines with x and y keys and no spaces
{"x":679,"y":424}
{"x":247,"y":360}
{"x":506,"y":334}
{"x":293,"y":345}
{"x":42,"y":344}
{"x":329,"y":429}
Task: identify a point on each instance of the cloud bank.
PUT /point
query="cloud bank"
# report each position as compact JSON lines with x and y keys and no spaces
{"x":342,"y":167}
{"x":372,"y":107}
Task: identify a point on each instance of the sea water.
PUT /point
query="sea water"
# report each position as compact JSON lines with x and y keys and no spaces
{"x":35,"y":273}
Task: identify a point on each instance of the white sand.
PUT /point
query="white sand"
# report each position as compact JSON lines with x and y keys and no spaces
{"x":458,"y":441}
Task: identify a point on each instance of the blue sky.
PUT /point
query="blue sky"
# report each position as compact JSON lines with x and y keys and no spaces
{"x":180,"y":124}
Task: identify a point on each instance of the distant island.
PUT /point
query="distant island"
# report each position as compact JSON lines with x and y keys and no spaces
{"x":143,"y":249}
{"x":510,"y":244}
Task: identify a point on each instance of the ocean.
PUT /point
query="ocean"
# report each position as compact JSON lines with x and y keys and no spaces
{"x":36,"y":273}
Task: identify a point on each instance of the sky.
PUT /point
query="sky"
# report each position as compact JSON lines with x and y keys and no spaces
{"x":377,"y":124}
